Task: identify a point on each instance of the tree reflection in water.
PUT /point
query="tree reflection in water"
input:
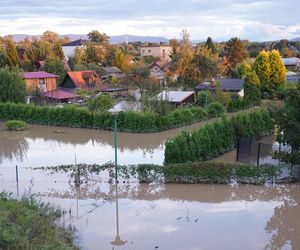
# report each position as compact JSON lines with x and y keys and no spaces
{"x":13,"y":145}
{"x":285,"y":223}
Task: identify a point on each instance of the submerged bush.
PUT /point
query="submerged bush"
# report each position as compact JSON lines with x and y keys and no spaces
{"x":16,"y":125}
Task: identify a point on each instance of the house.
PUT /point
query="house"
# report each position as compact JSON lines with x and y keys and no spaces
{"x":109,"y":72}
{"x":178,"y":98}
{"x":41,"y":65}
{"x":292,"y":63}
{"x":292,"y":77}
{"x":41,"y":81}
{"x":61,"y":95}
{"x":226,"y":84}
{"x":69,"y":48}
{"x":86,"y":79}
{"x":163,"y":52}
{"x":158,"y":71}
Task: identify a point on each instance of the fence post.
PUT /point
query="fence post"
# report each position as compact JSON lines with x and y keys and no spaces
{"x":17,"y":179}
{"x":258,"y":153}
{"x":237,"y":149}
{"x":17,"y":174}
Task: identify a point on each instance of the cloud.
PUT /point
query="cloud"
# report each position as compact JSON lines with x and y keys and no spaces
{"x":254,"y":20}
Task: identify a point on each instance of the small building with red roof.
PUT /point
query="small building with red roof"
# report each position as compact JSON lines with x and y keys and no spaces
{"x":86,"y":79}
{"x":41,"y":81}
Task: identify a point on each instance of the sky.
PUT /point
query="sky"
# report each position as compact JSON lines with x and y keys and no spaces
{"x":221,"y":19}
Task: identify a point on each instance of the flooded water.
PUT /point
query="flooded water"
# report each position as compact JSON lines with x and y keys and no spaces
{"x":44,"y":145}
{"x":137,"y":216}
{"x":172,"y":216}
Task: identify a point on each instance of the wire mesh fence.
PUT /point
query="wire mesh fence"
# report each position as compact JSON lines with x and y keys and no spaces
{"x":258,"y":152}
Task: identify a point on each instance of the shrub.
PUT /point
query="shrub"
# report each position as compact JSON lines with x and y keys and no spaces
{"x":201,"y":98}
{"x":16,"y":125}
{"x":215,"y":109}
{"x":239,"y":104}
{"x":101,"y":103}
{"x":222,"y":97}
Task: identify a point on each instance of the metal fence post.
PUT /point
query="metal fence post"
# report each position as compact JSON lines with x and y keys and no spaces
{"x":237,"y":149}
{"x":17,"y":179}
{"x":258,"y":153}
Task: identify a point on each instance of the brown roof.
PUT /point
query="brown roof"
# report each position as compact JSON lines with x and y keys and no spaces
{"x":65,"y":63}
{"x":60,"y":95}
{"x":78,"y":78}
{"x":161,"y":65}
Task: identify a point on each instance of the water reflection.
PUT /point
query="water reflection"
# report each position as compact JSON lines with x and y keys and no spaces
{"x":168,"y":216}
{"x":39,"y":144}
{"x":13,"y":145}
{"x":284,"y":225}
{"x":117,"y":241}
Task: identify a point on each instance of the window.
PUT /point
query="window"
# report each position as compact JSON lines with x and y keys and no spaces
{"x":41,"y":81}
{"x":143,"y":51}
{"x":149,"y":50}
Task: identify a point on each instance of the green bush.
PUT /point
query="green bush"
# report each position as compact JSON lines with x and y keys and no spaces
{"x":215,"y":109}
{"x":217,"y":138}
{"x":239,"y":104}
{"x":101,"y":103}
{"x":202,"y":96}
{"x":16,"y":125}
{"x":223,"y":97}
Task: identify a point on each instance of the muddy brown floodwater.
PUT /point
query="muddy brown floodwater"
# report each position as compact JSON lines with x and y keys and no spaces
{"x":149,"y":216}
{"x":46,"y":145}
{"x":172,"y":216}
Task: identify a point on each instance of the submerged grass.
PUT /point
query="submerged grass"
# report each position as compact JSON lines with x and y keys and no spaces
{"x":197,"y":172}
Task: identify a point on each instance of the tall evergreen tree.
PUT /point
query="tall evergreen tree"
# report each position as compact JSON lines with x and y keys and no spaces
{"x":262,"y":69}
{"x":58,"y":51}
{"x":210,"y":44}
{"x":277,"y":70}
{"x":4,"y":60}
{"x":11,"y":52}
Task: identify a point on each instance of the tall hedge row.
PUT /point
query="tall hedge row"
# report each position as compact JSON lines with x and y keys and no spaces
{"x":217,"y":138}
{"x":130,"y":121}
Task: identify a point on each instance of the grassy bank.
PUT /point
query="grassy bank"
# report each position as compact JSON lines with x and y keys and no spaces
{"x":26,"y":224}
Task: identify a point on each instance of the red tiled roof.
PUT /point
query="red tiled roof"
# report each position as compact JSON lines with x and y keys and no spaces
{"x":60,"y":94}
{"x":78,"y":77}
{"x":39,"y":74}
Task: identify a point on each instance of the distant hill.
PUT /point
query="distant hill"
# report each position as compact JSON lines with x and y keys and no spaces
{"x":297,"y":39}
{"x":113,"y":39}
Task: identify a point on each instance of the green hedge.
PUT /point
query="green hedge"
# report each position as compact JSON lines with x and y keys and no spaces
{"x":217,"y":138}
{"x":130,"y":121}
{"x":239,"y":104}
